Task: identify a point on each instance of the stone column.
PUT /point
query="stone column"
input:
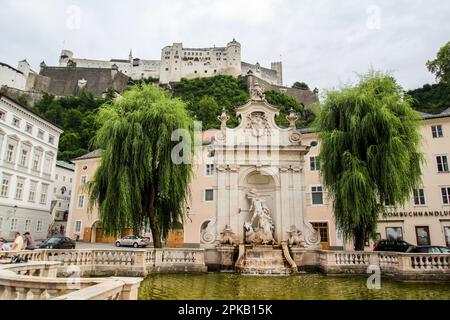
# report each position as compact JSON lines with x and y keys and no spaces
{"x":297,"y":198}
{"x":222,"y":198}
{"x":234,"y":201}
{"x":283,"y":216}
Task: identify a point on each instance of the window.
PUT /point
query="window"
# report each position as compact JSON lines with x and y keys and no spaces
{"x":419,"y":197}
{"x":436,"y":131}
{"x":322,"y":228}
{"x":36,"y":160}
{"x":5,"y":186}
{"x":83,"y":180}
{"x":446,"y":234}
{"x":78,"y":226}
{"x":56,"y":176}
{"x":423,"y":236}
{"x":54,"y":190}
{"x":13,"y":224}
{"x":19,"y":188}
{"x":16,"y":122}
{"x":2,"y":115}
{"x":394,"y":233}
{"x":445,"y":195}
{"x":313,"y":143}
{"x":442,"y":164}
{"x":27,"y":225}
{"x":64,"y":178}
{"x":28,"y":128}
{"x":70,"y":192}
{"x":44,"y":191}
{"x":314,"y":164}
{"x":317,"y":195}
{"x":39,"y":226}
{"x":209,"y":195}
{"x":388,"y":202}
{"x":32,"y":193}
{"x":10,"y":153}
{"x":23,"y":158}
{"x":51,"y":139}
{"x":80,"y":203}
{"x":70,"y":180}
{"x":209,"y":169}
{"x":40,"y":134}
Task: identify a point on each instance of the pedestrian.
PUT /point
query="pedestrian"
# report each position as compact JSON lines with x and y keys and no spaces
{"x":29,"y":242}
{"x":4,"y":245}
{"x":18,"y":243}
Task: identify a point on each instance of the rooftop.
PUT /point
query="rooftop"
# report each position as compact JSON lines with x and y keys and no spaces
{"x":91,"y":155}
{"x":65,"y":165}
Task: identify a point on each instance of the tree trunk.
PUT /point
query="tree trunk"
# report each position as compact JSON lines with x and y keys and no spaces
{"x":156,"y":235}
{"x":359,"y":239}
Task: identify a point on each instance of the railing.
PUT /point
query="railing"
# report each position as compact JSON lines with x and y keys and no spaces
{"x":420,"y":266}
{"x":38,"y":281}
{"x":133,"y":262}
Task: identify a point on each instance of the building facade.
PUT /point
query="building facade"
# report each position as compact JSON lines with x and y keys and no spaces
{"x":62,"y":191}
{"x":178,"y":62}
{"x":28,"y":149}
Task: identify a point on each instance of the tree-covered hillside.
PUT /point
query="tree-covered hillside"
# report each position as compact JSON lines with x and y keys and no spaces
{"x":433,"y":98}
{"x":76,"y":115}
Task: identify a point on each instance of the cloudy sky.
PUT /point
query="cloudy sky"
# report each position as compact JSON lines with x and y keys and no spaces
{"x":322,"y":42}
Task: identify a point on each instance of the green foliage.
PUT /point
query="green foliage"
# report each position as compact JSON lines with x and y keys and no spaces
{"x":227,"y":91}
{"x":23,"y":99}
{"x":71,"y":63}
{"x":286,"y":103}
{"x":431,"y":98}
{"x":76,"y":115}
{"x":440,"y":66}
{"x":369,"y":152}
{"x":137,"y":182}
{"x":207,"y":96}
{"x":300,"y":85}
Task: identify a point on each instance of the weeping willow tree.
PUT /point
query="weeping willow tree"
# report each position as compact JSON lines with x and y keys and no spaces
{"x":138,"y":182}
{"x":369,"y":152}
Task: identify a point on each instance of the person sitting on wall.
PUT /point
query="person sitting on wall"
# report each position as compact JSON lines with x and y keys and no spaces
{"x":29,"y":242}
{"x":4,"y":245}
{"x":18,"y":242}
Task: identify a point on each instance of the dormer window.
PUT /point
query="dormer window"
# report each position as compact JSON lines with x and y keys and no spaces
{"x":40,"y":134}
{"x":29,"y":128}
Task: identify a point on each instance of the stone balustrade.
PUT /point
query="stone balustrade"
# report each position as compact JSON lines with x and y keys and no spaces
{"x":38,"y":281}
{"x":406,"y":266}
{"x":117,"y":262}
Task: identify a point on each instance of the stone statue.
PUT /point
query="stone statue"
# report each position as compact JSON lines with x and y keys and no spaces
{"x":228,"y":236}
{"x":257,"y":92}
{"x":296,"y":237}
{"x":259,"y":230}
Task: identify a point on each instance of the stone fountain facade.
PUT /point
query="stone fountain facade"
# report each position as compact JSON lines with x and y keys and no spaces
{"x":260,"y":181}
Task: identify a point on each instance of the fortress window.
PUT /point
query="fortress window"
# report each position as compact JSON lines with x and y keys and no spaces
{"x":195,"y":71}
{"x":167,"y":69}
{"x":215,"y":71}
{"x":206,"y":71}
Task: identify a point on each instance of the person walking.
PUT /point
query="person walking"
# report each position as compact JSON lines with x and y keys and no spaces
{"x":29,"y":242}
{"x":18,"y":243}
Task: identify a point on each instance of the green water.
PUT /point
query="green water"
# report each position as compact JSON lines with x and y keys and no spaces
{"x":311,"y":286}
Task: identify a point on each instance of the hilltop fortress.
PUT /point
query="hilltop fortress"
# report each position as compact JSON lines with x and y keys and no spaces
{"x":178,"y":62}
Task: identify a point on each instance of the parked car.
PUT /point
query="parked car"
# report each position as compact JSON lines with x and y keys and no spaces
{"x":393,"y":246}
{"x":133,"y":241}
{"x":58,"y":242}
{"x":429,"y":249}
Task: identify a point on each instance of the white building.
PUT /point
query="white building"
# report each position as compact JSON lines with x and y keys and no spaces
{"x":178,"y":62}
{"x":28,"y":148}
{"x":14,"y":78}
{"x":62,"y":190}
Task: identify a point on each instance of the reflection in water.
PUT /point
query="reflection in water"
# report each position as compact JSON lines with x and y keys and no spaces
{"x":231,"y":286}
